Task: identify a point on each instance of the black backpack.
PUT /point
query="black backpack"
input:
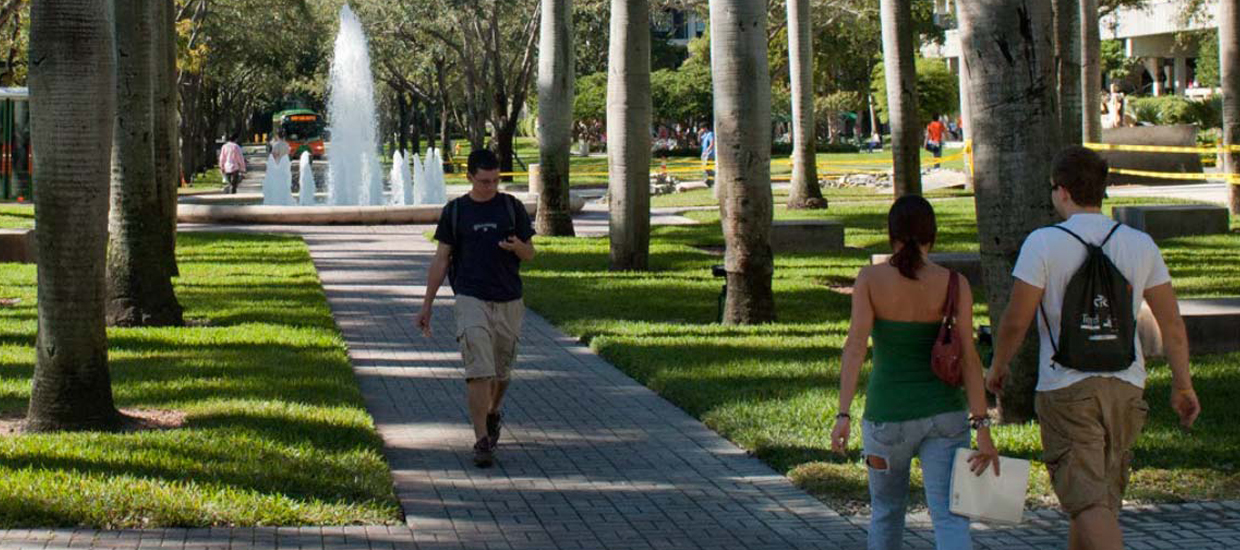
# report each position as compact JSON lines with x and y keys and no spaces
{"x":454,"y":218}
{"x":1097,"y":324}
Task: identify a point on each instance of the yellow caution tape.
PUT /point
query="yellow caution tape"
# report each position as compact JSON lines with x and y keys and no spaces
{"x":1160,"y":148}
{"x":1234,"y":179}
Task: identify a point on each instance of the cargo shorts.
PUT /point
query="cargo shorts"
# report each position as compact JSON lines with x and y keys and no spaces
{"x":487,"y":333}
{"x":1088,"y":430}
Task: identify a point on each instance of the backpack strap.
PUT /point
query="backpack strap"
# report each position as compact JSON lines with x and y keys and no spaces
{"x":512,"y":210}
{"x":1109,"y":235}
{"x":1074,"y":235}
{"x":454,"y":217}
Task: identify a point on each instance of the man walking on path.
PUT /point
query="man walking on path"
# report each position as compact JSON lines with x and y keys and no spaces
{"x":232,"y":164}
{"x":483,"y":238}
{"x":1089,"y":415}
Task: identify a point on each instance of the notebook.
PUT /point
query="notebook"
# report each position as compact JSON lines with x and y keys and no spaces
{"x":989,"y":497}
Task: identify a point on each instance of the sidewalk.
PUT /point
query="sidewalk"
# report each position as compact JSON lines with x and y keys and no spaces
{"x":589,"y":459}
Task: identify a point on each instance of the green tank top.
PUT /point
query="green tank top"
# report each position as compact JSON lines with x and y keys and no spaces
{"x":902,"y":386}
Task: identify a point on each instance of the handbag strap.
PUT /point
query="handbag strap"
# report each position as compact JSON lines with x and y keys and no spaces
{"x":949,"y":306}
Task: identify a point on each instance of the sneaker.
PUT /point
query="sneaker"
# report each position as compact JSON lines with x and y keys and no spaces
{"x":484,"y":453}
{"x":493,"y":428}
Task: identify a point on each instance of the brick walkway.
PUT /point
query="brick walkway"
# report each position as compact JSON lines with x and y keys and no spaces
{"x":589,"y":459}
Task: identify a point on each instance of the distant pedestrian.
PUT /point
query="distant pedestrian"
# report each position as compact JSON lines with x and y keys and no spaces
{"x":706,"y":137}
{"x":483,"y":238}
{"x":909,"y":411}
{"x":1088,"y":276}
{"x":232,"y":164}
{"x":934,"y":137}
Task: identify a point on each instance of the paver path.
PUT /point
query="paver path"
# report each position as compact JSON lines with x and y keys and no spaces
{"x":590,"y":459}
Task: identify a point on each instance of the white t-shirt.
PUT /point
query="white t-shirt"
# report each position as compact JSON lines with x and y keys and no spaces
{"x":1050,"y":257}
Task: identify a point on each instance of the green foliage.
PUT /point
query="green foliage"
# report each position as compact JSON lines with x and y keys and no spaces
{"x":1173,"y":109}
{"x":1207,"y":58}
{"x":590,"y":99}
{"x":773,"y":388}
{"x":938,"y":90}
{"x":1115,"y":61}
{"x":276,"y":431}
{"x":683,"y":95}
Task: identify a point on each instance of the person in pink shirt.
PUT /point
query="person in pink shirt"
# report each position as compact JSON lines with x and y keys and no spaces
{"x":232,"y":164}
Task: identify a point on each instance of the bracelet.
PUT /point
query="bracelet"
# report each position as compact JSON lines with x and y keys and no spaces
{"x":843,"y":415}
{"x":1187,"y":391}
{"x":979,"y":422}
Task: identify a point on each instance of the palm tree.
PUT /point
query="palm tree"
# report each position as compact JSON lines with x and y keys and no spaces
{"x":1091,"y":73}
{"x":742,"y":91}
{"x":1009,"y":52}
{"x":1068,"y":57}
{"x":1229,"y":73}
{"x":628,"y":134}
{"x":139,"y":284}
{"x":901,"y":75}
{"x":167,"y":130}
{"x":805,"y":192}
{"x":555,"y":116}
{"x":72,"y":91}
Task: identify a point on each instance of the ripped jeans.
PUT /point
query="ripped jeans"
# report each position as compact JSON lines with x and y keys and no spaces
{"x":934,"y":439}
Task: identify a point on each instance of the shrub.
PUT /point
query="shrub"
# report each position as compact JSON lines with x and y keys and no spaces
{"x":1172,"y":109}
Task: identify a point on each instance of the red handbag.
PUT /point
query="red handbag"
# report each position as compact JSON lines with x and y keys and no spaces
{"x":945,"y":355}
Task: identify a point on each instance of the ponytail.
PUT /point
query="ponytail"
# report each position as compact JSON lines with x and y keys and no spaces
{"x":908,"y":260}
{"x":911,"y":223}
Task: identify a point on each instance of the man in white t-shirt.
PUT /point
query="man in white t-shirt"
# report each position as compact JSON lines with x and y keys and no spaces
{"x":1089,"y":420}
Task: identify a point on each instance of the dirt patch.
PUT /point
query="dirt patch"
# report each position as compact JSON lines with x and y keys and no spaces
{"x":12,"y":423}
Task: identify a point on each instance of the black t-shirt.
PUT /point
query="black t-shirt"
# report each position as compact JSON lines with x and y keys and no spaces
{"x":480,"y":267}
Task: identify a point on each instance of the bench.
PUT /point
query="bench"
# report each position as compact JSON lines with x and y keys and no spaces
{"x":1168,"y":221}
{"x":18,"y":245}
{"x":1213,"y":326}
{"x":968,"y":264}
{"x":807,"y":235}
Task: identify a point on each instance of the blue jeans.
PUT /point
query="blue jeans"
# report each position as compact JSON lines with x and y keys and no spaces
{"x":934,"y":439}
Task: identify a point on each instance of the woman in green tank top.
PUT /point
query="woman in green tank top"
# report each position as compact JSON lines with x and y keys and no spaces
{"x":909,"y":411}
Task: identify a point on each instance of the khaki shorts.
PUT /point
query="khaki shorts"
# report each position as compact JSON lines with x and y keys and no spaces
{"x":488,"y":333}
{"x":1088,"y":430}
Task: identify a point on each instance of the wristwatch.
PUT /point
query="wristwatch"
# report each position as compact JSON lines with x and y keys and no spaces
{"x":979,"y":422}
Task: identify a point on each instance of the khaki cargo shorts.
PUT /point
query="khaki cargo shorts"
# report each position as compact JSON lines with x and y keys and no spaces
{"x":488,"y":333}
{"x":1088,"y":430}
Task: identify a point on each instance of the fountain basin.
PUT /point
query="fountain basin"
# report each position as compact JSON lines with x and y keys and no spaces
{"x":246,"y":208}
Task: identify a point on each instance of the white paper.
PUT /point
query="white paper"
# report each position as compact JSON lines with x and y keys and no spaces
{"x":989,"y":497}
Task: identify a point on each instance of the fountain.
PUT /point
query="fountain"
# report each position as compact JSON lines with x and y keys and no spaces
{"x":306,"y":180}
{"x":277,"y":183}
{"x":400,"y":180}
{"x":355,"y":193}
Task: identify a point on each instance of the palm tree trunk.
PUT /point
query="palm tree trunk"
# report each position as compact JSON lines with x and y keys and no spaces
{"x":805,"y":192}
{"x":1009,"y":49}
{"x":966,"y":122}
{"x":628,"y":134}
{"x":742,"y":90}
{"x":1229,"y":74}
{"x":1091,"y":73}
{"x":1068,"y":57}
{"x":72,"y":91}
{"x":139,"y":285}
{"x":901,"y":75}
{"x":555,"y":117}
{"x":167,"y":150}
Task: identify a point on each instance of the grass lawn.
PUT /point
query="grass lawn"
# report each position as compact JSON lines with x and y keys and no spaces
{"x":772,"y":389}
{"x":203,"y":182}
{"x":592,"y":170}
{"x":16,"y":216}
{"x":276,"y":430}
